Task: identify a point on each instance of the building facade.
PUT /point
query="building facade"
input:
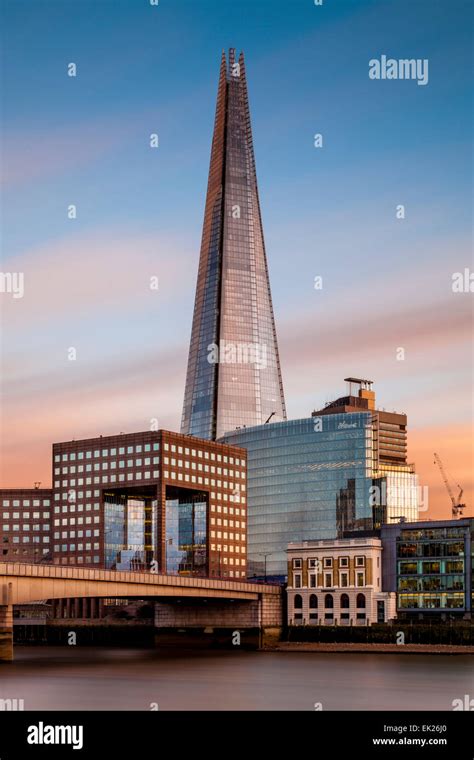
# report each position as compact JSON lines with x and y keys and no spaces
{"x":337,"y":582}
{"x":317,"y":478}
{"x":233,"y":375}
{"x":26,"y":520}
{"x":390,"y":428}
{"x":141,"y":501}
{"x":430,"y":566}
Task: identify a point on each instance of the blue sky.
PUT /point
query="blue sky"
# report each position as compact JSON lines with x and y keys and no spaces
{"x":329,"y":212}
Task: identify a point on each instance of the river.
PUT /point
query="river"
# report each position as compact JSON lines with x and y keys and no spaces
{"x":72,"y":678}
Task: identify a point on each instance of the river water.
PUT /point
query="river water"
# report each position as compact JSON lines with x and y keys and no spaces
{"x":73,"y":678}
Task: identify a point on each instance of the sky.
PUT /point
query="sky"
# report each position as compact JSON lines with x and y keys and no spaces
{"x":328,"y":212}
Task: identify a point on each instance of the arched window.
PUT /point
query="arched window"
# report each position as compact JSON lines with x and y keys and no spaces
{"x":360,"y":601}
{"x":328,"y":602}
{"x":345,"y":601}
{"x":313,"y":601}
{"x":298,"y":602}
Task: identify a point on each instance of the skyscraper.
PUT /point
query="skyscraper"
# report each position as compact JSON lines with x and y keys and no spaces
{"x":233,"y":376}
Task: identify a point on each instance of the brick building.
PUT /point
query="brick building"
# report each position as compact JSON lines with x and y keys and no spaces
{"x":151,"y":500}
{"x":26,"y":519}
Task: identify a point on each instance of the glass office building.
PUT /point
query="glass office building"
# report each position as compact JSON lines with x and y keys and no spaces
{"x":233,"y":375}
{"x":430,"y":565}
{"x":312,"y":479}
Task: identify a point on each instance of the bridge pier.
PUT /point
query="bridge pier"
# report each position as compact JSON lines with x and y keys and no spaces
{"x":259,"y":620}
{"x":6,"y":632}
{"x":6,"y":623}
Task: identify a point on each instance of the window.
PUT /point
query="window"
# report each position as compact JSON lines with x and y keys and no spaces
{"x":328,"y":580}
{"x":343,"y":561}
{"x":360,"y":579}
{"x":298,"y":602}
{"x":327,"y":562}
{"x":313,"y":601}
{"x":297,"y":564}
{"x":408,"y":568}
{"x":312,"y":580}
{"x":297,"y":579}
{"x":345,"y":601}
{"x":329,"y":602}
{"x":361,"y":601}
{"x":344,"y":579}
{"x":360,"y":561}
{"x":431,"y":567}
{"x":313,"y":563}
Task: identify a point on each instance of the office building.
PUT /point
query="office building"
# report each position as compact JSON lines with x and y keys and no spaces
{"x":156,"y":501}
{"x":337,"y":582}
{"x":430,"y":566}
{"x":318,"y":478}
{"x":390,"y":428}
{"x":26,"y":519}
{"x":233,"y":376}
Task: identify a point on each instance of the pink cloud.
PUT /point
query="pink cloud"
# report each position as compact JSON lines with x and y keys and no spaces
{"x":68,"y":278}
{"x":28,"y":157}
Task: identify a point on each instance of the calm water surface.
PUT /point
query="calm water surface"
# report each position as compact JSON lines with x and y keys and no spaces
{"x":70,"y":678}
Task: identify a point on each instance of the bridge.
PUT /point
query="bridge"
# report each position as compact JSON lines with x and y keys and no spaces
{"x":238,"y":604}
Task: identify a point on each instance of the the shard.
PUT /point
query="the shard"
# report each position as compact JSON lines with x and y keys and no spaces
{"x":233,"y":376}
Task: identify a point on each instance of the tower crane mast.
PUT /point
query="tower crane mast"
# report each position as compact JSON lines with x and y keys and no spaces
{"x":457,"y":507}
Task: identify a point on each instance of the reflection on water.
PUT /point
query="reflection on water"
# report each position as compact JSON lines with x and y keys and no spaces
{"x":74,"y":678}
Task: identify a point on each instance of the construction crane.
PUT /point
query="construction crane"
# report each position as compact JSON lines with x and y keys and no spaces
{"x":457,"y":507}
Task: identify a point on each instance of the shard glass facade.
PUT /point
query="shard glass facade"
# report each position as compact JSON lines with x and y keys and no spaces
{"x":233,"y":376}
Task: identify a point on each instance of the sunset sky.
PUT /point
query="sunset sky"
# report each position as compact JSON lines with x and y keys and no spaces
{"x":328,"y":212}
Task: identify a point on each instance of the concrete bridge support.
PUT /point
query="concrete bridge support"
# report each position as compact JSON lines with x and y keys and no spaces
{"x":6,"y":633}
{"x":263,"y":616}
{"x":6,"y":623}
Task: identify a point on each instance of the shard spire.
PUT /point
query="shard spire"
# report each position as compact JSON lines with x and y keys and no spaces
{"x":233,"y":376}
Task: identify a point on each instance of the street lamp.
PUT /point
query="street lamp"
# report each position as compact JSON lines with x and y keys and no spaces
{"x":265,"y":555}
{"x":168,"y":542}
